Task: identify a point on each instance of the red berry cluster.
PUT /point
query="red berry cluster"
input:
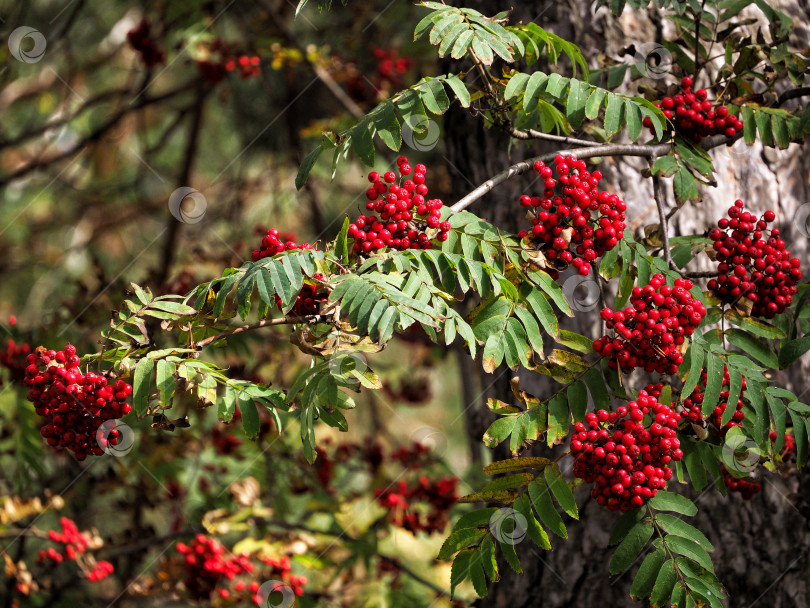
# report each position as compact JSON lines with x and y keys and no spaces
{"x":15,"y":359}
{"x":406,"y":220}
{"x":413,"y":389}
{"x":74,"y":544}
{"x":416,"y":504}
{"x":324,"y":468}
{"x":222,"y":434}
{"x":649,"y":332}
{"x":282,"y":570}
{"x":387,"y":75}
{"x":412,"y":457}
{"x":750,"y":266}
{"x":692,"y":404}
{"x":180,"y":285}
{"x":746,"y":488}
{"x":308,"y":300}
{"x":273,"y":243}
{"x":369,"y":451}
{"x":696,"y":117}
{"x":578,"y":224}
{"x":654,"y":390}
{"x":261,"y":230}
{"x":224,"y":442}
{"x":207,"y":567}
{"x":74,"y":403}
{"x":100,"y":571}
{"x":440,"y":496}
{"x":789,"y":447}
{"x":390,"y":68}
{"x":209,"y":572}
{"x":220,"y":61}
{"x":140,"y":39}
{"x":625,"y":457}
{"x":239,"y":588}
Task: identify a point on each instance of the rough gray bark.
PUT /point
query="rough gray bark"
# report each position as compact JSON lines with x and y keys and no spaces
{"x":761,"y":545}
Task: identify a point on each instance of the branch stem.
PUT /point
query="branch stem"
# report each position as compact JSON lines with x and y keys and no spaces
{"x":533,"y":134}
{"x":707,"y":274}
{"x":793,"y":94}
{"x":595,"y":151}
{"x":662,"y":217}
{"x":259,"y":324}
{"x":697,"y":41}
{"x":526,"y":165}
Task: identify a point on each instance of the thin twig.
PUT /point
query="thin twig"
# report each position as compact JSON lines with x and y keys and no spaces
{"x":593,"y":152}
{"x":190,"y":154}
{"x":793,"y":94}
{"x":697,"y":41}
{"x":503,"y":121}
{"x":349,"y":539}
{"x":533,"y":134}
{"x":417,"y":577}
{"x":147,"y":543}
{"x":17,"y":533}
{"x":526,"y":165}
{"x":259,"y":324}
{"x":662,"y":217}
{"x":92,"y":137}
{"x":602,"y":301}
{"x":672,"y":212}
{"x":59,"y":122}
{"x":702,"y":274}
{"x":323,"y":75}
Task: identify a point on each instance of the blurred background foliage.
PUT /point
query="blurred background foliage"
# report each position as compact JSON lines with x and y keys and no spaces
{"x":93,"y":141}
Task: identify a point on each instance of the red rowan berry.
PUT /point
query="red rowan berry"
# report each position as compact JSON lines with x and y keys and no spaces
{"x":763,"y":272}
{"x":639,"y":340}
{"x":595,"y":218}
{"x":625,"y":458}
{"x":694,"y":117}
{"x":406,"y":215}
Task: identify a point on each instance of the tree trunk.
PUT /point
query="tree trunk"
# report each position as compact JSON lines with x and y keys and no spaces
{"x":761,"y":545}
